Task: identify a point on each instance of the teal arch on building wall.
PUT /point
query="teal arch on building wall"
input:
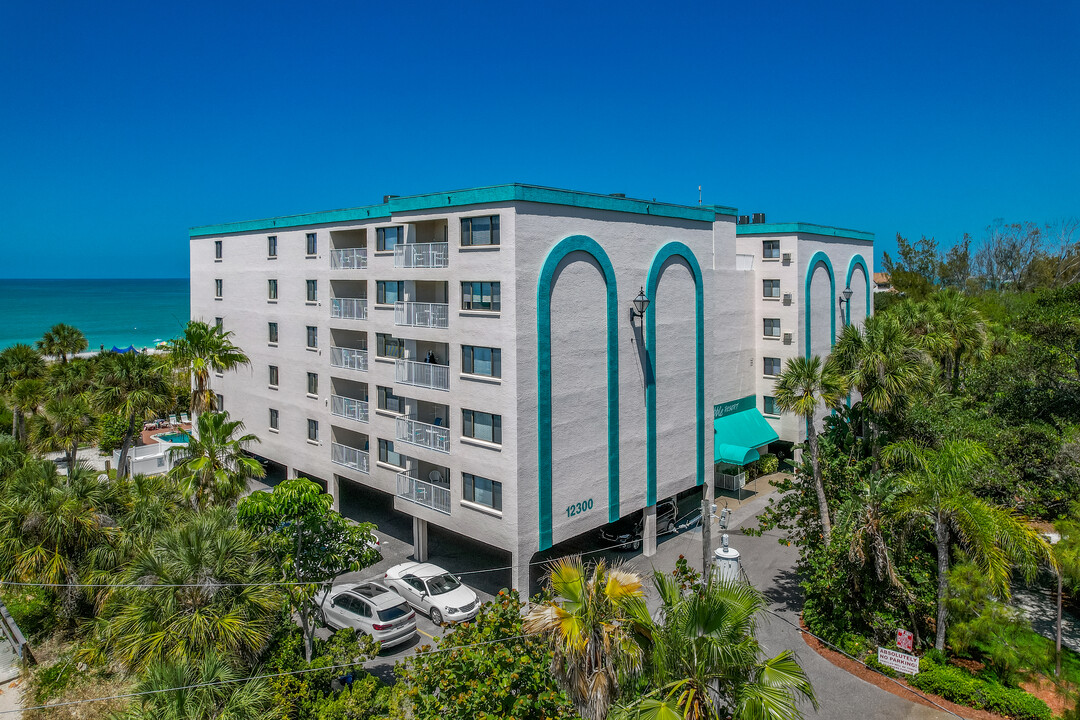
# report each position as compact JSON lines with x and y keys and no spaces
{"x":672,"y":249}
{"x":820,"y":258}
{"x":574,"y":243}
{"x":857,"y":261}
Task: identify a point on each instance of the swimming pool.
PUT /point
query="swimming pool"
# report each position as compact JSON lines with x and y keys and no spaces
{"x":179,"y":438}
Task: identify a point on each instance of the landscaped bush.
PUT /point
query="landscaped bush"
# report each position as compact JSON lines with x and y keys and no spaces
{"x":961,"y":687}
{"x":34,"y":610}
{"x":111,"y":429}
{"x":768,"y":464}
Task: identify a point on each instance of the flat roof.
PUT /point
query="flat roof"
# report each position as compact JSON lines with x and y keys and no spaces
{"x":514,"y":192}
{"x":801,"y":227}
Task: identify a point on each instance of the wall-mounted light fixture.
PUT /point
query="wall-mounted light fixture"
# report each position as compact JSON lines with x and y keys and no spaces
{"x":845,"y":298}
{"x":641,"y":304}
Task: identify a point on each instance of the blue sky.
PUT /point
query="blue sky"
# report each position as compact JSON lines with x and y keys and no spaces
{"x":125,"y":123}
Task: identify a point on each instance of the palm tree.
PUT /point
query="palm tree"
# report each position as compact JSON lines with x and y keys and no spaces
{"x":63,"y":424}
{"x":12,"y":455}
{"x":594,"y":626}
{"x":135,"y":387}
{"x":27,"y":395}
{"x":964,"y":330}
{"x":213,"y":690}
{"x":72,"y":378}
{"x":213,"y":468}
{"x":1067,"y":555}
{"x":706,"y":662}
{"x":19,"y":362}
{"x":938,"y":490}
{"x":802,"y":387}
{"x":62,"y":340}
{"x":865,"y":519}
{"x":205,"y":348}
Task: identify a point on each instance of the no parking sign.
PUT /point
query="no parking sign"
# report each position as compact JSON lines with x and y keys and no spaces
{"x":905,"y":640}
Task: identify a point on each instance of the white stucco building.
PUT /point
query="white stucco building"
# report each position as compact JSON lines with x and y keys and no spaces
{"x":473,"y":353}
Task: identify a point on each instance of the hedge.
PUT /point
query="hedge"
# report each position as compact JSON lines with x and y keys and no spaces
{"x":961,"y":687}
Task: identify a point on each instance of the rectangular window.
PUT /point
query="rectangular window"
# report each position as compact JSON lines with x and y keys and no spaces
{"x":772,"y":366}
{"x":271,"y":289}
{"x":220,"y":407}
{"x":387,"y":237}
{"x":388,"y":346}
{"x":388,"y":456}
{"x":312,"y":290}
{"x":217,"y":249}
{"x":770,"y":405}
{"x":273,"y":419}
{"x":271,"y":332}
{"x":312,"y":383}
{"x":481,"y":426}
{"x":481,"y":296}
{"x":388,"y":292}
{"x":217,"y":289}
{"x":480,"y":230}
{"x":312,"y":336}
{"x":271,"y":246}
{"x":390,"y":402}
{"x":770,"y":249}
{"x":772,"y":327}
{"x":476,"y":360}
{"x":273,"y":376}
{"x":481,"y":491}
{"x":219,"y":322}
{"x":312,"y":429}
{"x":312,"y":244}
{"x":770,"y":288}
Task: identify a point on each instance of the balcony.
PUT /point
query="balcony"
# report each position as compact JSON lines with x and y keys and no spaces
{"x":349,"y":408}
{"x":348,"y":358}
{"x":422,"y":255}
{"x":423,"y":434}
{"x":348,"y":259}
{"x":421,"y":492}
{"x":352,"y":458}
{"x":418,"y":374}
{"x":421,"y":314}
{"x":348,"y":308}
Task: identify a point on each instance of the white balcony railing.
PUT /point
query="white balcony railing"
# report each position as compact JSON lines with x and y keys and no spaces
{"x":423,"y":434}
{"x":421,"y":492}
{"x":349,"y":308}
{"x":348,"y":259}
{"x":428,"y":375}
{"x":348,"y":358}
{"x":350,"y":457}
{"x":347,"y":407}
{"x":421,"y":255}
{"x":420,"y":314}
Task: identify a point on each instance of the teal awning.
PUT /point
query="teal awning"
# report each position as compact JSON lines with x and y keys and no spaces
{"x":737,"y":436}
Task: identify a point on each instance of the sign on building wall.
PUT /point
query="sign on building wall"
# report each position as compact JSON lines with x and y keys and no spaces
{"x":730,"y":408}
{"x":898,"y":661}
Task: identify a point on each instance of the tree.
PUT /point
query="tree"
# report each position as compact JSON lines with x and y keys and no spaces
{"x":204,"y":349}
{"x":865,"y":519}
{"x":134,"y":386}
{"x":310,"y":543}
{"x":1067,"y":557}
{"x":211,"y":690}
{"x":213,"y":467}
{"x":938,"y":490}
{"x":19,"y":362}
{"x":62,"y":340}
{"x":915,"y":271}
{"x":63,"y":425}
{"x":594,"y":626}
{"x":964,"y":331}
{"x":26,"y":397}
{"x":804,"y":385}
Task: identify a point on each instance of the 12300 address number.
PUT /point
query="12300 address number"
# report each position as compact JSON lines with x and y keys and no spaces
{"x":578,"y":508}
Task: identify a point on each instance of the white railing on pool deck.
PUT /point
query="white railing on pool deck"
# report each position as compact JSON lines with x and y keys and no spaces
{"x":350,"y":457}
{"x":347,"y":407}
{"x":348,"y":308}
{"x":421,"y":492}
{"x":423,"y":434}
{"x":422,"y":255}
{"x":348,"y":358}
{"x":429,"y":375}
{"x":348,"y":259}
{"x":421,"y":314}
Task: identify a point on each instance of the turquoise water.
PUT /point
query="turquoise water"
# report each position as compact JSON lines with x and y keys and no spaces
{"x":178,"y":437}
{"x":109,"y":312}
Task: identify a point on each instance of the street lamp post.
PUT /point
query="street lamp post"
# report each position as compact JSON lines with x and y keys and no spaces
{"x":845,"y":299}
{"x":640,"y":305}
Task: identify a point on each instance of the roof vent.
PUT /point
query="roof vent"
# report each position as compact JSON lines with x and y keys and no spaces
{"x":388,"y":198}
{"x":758,"y":218}
{"x":744,"y":220}
{"x":622,"y":195}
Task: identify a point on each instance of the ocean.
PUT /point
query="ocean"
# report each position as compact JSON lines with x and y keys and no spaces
{"x":109,"y":312}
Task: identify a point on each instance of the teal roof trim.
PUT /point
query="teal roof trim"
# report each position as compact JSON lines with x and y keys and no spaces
{"x":738,"y":435}
{"x":291,"y":221}
{"x":801,"y":227}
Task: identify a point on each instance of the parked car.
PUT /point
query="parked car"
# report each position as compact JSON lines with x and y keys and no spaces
{"x":370,"y":608}
{"x":626,"y":532}
{"x":434,"y":591}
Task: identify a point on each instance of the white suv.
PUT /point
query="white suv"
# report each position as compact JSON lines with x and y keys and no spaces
{"x":370,"y":608}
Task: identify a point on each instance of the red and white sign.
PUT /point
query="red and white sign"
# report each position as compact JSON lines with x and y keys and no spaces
{"x":905,"y":640}
{"x":898,"y":661}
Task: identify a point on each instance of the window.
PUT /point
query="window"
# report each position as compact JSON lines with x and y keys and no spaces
{"x":271,"y":246}
{"x":482,"y":491}
{"x":770,"y":405}
{"x":220,"y":399}
{"x":390,"y":402}
{"x":312,"y":290}
{"x":770,"y":288}
{"x":271,"y":332}
{"x":271,"y":289}
{"x":312,"y":336}
{"x":481,"y":426}
{"x":481,"y":296}
{"x":476,"y":360}
{"x":273,"y":376}
{"x":313,"y":430}
{"x":387,"y":237}
{"x":273,"y":419}
{"x":388,"y":346}
{"x":480,"y":230}
{"x":772,"y":366}
{"x":388,"y":292}
{"x":770,"y":249}
{"x":219,"y":323}
{"x":217,"y":249}
{"x":217,"y":289}
{"x":388,"y":456}
{"x":312,"y":383}
{"x":312,"y":244}
{"x":772,"y":327}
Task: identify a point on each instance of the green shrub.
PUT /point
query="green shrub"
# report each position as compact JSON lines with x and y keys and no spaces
{"x":768,"y":464}
{"x":34,"y":610}
{"x":960,"y":686}
{"x":111,"y":429}
{"x":51,"y":681}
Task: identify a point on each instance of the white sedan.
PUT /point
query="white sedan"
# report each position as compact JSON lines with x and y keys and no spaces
{"x":370,"y":608}
{"x":434,"y":591}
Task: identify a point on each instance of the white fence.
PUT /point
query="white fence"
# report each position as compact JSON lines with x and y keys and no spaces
{"x":423,"y":493}
{"x":429,"y":375}
{"x":350,"y":457}
{"x":423,"y":434}
{"x":150,"y":459}
{"x":421,"y":255}
{"x":731,"y":482}
{"x":348,"y":259}
{"x":348,"y":358}
{"x":419,"y":314}
{"x":347,"y":407}
{"x":349,"y":308}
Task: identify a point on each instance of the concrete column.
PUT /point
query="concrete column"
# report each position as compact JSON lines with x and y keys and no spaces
{"x":521,"y":575}
{"x":648,"y":532}
{"x":290,"y":473}
{"x":334,"y":488}
{"x":419,"y":539}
